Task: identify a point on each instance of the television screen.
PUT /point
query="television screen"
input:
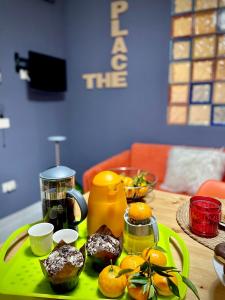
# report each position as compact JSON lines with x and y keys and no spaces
{"x":47,"y":73}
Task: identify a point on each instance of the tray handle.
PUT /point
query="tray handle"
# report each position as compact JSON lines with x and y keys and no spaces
{"x":10,"y":242}
{"x":168,"y":234}
{"x":183,"y":249}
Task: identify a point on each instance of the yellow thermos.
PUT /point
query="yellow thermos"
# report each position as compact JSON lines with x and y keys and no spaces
{"x":107,"y":203}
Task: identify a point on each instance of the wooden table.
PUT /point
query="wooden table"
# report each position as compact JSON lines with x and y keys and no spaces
{"x":202,"y":272}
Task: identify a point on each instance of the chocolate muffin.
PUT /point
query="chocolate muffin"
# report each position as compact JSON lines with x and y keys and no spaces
{"x":102,"y":247}
{"x":63,"y":267}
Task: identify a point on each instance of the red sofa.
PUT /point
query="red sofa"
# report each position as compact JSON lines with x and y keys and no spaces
{"x":150,"y":157}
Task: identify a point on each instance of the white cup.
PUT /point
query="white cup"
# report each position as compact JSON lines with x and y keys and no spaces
{"x":69,"y":236}
{"x":41,"y":238}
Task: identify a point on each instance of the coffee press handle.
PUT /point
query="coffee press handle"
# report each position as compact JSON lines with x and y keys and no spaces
{"x":77,"y":196}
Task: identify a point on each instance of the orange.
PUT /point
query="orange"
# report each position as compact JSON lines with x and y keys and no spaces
{"x":137,"y":293}
{"x":161,"y":284}
{"x":139,"y":211}
{"x":142,"y":191}
{"x":155,"y":257}
{"x":128,"y":181}
{"x":109,"y":285}
{"x":132,"y":262}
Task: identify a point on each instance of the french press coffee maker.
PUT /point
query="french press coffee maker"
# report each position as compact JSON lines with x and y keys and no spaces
{"x":59,"y":197}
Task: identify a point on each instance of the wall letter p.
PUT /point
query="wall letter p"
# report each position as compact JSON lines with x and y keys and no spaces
{"x":117,"y":8}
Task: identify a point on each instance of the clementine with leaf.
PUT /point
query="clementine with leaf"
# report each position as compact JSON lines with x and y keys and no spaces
{"x":132,"y":262}
{"x":109,"y":284}
{"x":137,"y":292}
{"x":162,"y":286}
{"x":155,"y":257}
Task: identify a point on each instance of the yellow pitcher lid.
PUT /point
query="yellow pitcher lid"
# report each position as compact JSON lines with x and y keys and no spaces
{"x":106,"y":178}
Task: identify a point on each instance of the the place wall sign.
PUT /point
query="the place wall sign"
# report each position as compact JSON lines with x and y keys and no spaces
{"x":117,"y":78}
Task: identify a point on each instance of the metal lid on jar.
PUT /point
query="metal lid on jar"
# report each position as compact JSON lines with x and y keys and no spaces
{"x":57,"y":173}
{"x":141,"y":230}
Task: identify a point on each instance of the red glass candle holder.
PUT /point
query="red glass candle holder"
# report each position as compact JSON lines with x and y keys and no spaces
{"x":204,"y":216}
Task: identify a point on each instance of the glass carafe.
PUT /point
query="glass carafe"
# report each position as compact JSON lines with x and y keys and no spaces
{"x":59,"y":197}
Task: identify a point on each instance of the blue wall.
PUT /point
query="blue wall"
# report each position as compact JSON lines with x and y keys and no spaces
{"x":108,"y":121}
{"x":28,"y":25}
{"x":98,"y":123}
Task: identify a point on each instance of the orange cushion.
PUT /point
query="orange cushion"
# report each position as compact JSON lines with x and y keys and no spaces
{"x":212,"y":188}
{"x":150,"y":157}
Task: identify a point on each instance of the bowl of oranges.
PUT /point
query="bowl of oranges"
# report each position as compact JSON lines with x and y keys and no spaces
{"x":137,"y":183}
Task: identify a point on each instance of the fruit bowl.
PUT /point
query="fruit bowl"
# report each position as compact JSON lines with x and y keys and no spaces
{"x":137,"y":182}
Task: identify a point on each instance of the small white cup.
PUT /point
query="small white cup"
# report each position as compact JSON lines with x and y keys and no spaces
{"x":69,"y":236}
{"x":41,"y":238}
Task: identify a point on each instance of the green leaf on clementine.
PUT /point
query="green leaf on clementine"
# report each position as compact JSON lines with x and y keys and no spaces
{"x":140,"y":281}
{"x":160,"y":268}
{"x":124,"y":271}
{"x":173,"y":287}
{"x":132,"y":285}
{"x":190,"y":285}
{"x":144,"y":267}
{"x":152,"y":293}
{"x":165,"y":274}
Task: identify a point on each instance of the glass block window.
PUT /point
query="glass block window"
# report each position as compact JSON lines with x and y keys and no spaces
{"x":196,"y":94}
{"x":182,"y":6}
{"x":201,"y":93}
{"x":179,"y":93}
{"x":220,"y":69}
{"x":181,"y":49}
{"x":219,"y":115}
{"x":205,"y":4}
{"x":199,"y":115}
{"x":219,"y":93}
{"x":202,"y":71}
{"x":221,"y":45}
{"x":221,"y":20}
{"x":221,"y":3}
{"x":180,"y":72}
{"x":205,"y":22}
{"x":204,"y":47}
{"x":177,"y":114}
{"x":182,"y":26}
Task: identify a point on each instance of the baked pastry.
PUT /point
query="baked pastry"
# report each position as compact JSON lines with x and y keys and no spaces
{"x":220,"y":252}
{"x":103,"y":247}
{"x":139,"y":213}
{"x":63,"y":267}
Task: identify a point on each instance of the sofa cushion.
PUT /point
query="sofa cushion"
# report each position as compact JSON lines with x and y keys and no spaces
{"x":150,"y":157}
{"x":188,"y":168}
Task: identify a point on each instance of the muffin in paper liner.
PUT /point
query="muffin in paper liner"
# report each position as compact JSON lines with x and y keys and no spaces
{"x":103,"y":247}
{"x":63,"y":266}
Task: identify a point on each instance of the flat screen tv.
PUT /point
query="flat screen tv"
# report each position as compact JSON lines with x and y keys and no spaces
{"x":47,"y":73}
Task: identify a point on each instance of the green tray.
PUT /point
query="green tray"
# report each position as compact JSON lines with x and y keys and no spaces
{"x":22,"y":274}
